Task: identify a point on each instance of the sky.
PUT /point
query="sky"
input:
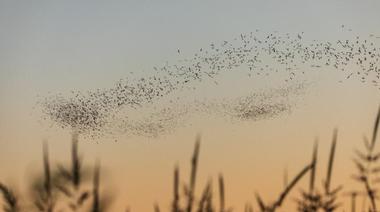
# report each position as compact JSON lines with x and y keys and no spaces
{"x":49,"y":47}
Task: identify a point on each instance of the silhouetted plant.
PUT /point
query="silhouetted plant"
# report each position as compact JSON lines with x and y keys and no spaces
{"x":222,"y":195}
{"x":202,"y":204}
{"x":68,"y":188}
{"x":95,"y":189}
{"x":274,"y":206}
{"x":189,"y":191}
{"x":70,"y":179}
{"x":44,"y":197}
{"x":10,"y":199}
{"x":313,"y":200}
{"x":365,"y":163}
{"x":175,"y":204}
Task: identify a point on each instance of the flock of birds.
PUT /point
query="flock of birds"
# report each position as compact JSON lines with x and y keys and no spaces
{"x":251,"y":107}
{"x":286,"y":55}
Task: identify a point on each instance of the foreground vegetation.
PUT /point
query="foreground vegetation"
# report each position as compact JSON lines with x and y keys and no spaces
{"x":75,"y":187}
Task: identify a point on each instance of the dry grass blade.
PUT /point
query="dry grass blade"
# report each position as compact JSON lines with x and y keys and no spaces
{"x":194,"y":164}
{"x":372,"y":198}
{"x":10,"y":199}
{"x":261,"y":203}
{"x":283,"y":195}
{"x":76,"y":177}
{"x":314,"y":168}
{"x":95,"y":189}
{"x":371,"y":195}
{"x":205,"y":194}
{"x":295,"y":180}
{"x":331,"y":162}
{"x":221,"y":193}
{"x":47,"y":177}
{"x":209,"y":205}
{"x":375,"y":129}
{"x":175,"y":205}
{"x":47,"y":183}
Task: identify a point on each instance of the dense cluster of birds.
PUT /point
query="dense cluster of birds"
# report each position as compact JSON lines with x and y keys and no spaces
{"x":260,"y":105}
{"x":157,"y":121}
{"x":289,"y":55}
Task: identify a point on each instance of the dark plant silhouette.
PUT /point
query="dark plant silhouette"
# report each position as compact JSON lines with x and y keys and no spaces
{"x":10,"y":199}
{"x":44,"y":198}
{"x":314,"y":200}
{"x":175,"y":205}
{"x":189,"y":191}
{"x":365,"y":163}
{"x":95,"y":188}
{"x":274,"y":206}
{"x":70,"y":179}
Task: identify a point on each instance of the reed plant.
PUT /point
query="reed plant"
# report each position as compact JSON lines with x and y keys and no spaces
{"x":366,"y":163}
{"x":317,"y":200}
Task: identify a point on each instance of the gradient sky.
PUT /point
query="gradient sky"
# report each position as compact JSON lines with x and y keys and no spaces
{"x":58,"y":46}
